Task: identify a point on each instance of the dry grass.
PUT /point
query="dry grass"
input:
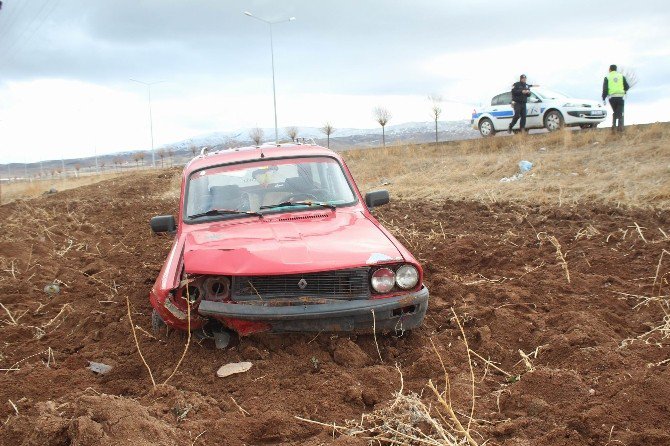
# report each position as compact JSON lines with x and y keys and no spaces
{"x":412,"y":419}
{"x":570,"y":167}
{"x":31,"y":189}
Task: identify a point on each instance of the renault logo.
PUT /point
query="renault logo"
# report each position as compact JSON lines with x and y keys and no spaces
{"x":302,"y":284}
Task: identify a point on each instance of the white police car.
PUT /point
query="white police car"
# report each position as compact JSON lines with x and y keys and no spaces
{"x":545,"y":109}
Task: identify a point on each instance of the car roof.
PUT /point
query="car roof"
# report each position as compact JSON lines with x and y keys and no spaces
{"x":252,"y":153}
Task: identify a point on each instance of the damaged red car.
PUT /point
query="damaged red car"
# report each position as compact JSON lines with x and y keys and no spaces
{"x":280,"y":239}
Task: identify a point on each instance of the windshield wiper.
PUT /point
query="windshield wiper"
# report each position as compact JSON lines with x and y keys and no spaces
{"x":224,"y":212}
{"x":322,"y":204}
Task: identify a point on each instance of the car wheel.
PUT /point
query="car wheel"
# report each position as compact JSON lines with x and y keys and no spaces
{"x":157,"y":322}
{"x":553,"y":120}
{"x":486,"y":128}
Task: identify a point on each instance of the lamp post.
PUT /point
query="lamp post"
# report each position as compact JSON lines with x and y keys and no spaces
{"x":151,"y":121}
{"x":272,"y":54}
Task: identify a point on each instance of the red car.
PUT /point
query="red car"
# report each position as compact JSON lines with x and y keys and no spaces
{"x":279,"y":238}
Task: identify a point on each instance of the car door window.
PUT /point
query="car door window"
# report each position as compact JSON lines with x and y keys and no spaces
{"x":533,"y":98}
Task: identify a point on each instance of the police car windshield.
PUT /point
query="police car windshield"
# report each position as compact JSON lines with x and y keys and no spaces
{"x":550,"y":94}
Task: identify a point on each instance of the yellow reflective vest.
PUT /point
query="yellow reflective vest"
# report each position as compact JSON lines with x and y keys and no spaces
{"x":615,"y":84}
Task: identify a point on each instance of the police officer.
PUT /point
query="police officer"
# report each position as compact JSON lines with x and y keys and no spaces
{"x":520,"y":93}
{"x":615,"y":86}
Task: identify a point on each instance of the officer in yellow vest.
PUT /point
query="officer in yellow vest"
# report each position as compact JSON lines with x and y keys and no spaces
{"x":615,"y":86}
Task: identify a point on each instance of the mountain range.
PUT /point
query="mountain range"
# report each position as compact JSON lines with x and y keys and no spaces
{"x":340,"y":139}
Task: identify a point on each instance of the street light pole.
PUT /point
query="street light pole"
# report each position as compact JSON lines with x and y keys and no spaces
{"x":151,"y":121}
{"x":272,"y":54}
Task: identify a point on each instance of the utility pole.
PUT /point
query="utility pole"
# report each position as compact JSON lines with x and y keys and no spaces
{"x":272,"y":53}
{"x":151,"y":121}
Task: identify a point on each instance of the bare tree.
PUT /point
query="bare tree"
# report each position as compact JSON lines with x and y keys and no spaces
{"x":141,"y":156}
{"x":194,"y":149}
{"x":137,"y":157}
{"x":256,"y":135}
{"x":630,"y":75}
{"x":162,"y":154}
{"x":328,"y":130}
{"x":435,"y":110}
{"x":102,"y":165}
{"x":382,"y":116}
{"x":170,"y":152}
{"x":292,"y":132}
{"x":117,"y":162}
{"x":77,"y":167}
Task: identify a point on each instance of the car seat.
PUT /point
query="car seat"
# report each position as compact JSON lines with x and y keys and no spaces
{"x":225,"y":197}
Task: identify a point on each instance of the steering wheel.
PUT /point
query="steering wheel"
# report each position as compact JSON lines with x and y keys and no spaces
{"x":302,"y":196}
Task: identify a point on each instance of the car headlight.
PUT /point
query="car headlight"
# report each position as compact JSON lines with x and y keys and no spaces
{"x":406,"y":277}
{"x":572,"y":104}
{"x":383,"y":280}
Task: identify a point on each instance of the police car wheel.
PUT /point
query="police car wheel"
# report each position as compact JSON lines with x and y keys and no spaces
{"x":553,"y":121}
{"x":486,"y":127}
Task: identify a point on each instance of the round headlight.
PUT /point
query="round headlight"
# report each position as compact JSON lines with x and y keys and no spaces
{"x":406,"y":277}
{"x":383,"y":280}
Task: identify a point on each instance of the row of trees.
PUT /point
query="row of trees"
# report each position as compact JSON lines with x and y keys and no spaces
{"x":256,"y":134}
{"x":381,"y":115}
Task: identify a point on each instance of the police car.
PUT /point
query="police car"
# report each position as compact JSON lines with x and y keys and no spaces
{"x":545,"y":109}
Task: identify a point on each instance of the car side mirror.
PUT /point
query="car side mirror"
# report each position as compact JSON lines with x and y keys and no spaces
{"x":376,"y":198}
{"x":163,"y":223}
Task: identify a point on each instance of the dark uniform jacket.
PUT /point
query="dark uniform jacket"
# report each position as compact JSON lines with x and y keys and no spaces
{"x":517,"y":95}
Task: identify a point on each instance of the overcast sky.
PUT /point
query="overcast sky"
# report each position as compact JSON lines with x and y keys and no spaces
{"x":65,"y":65}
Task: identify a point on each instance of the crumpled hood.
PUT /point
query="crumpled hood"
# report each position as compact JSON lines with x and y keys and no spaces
{"x":300,"y":242}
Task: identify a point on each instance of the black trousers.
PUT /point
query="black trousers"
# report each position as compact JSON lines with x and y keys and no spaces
{"x":617,"y":113}
{"x":519,"y":112}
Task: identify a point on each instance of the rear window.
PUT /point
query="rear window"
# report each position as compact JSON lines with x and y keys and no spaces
{"x":502,"y":99}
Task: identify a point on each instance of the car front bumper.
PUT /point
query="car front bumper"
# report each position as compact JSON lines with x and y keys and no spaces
{"x":397,"y":314}
{"x":584,"y":117}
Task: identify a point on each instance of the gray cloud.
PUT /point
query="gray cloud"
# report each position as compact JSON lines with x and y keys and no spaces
{"x":335,"y":46}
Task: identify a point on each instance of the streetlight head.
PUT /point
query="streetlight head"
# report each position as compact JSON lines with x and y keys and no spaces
{"x":248,"y":13}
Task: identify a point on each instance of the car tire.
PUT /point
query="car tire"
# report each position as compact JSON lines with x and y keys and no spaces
{"x":553,"y":120}
{"x":486,"y":128}
{"x":157,"y":322}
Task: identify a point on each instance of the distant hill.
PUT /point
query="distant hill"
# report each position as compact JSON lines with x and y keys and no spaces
{"x":341,"y":139}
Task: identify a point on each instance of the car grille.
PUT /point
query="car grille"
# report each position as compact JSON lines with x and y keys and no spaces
{"x":343,"y":284}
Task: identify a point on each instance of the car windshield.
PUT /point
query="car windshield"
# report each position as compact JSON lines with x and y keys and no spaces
{"x":550,"y":94}
{"x":265,"y":185}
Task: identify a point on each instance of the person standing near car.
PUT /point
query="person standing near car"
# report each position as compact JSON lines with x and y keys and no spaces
{"x":615,"y":86}
{"x":520,"y":93}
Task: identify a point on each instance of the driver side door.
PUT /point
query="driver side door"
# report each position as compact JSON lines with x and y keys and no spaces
{"x":534,"y":112}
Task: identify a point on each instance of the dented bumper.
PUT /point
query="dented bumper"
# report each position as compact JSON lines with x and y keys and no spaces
{"x":388,"y":314}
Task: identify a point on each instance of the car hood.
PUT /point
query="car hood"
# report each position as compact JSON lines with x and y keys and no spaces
{"x":300,"y":242}
{"x":580,"y":102}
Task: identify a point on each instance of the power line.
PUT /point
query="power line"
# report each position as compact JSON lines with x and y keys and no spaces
{"x":11,"y":18}
{"x":25,"y":42}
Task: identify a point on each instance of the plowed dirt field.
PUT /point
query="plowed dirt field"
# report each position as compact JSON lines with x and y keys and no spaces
{"x":584,"y":361}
